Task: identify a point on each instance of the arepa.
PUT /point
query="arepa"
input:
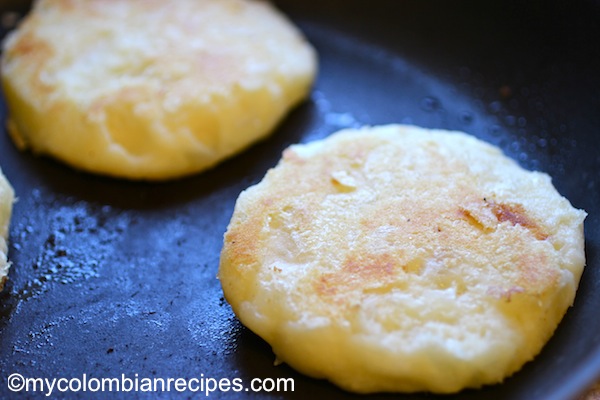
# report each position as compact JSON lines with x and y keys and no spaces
{"x":396,"y":258}
{"x":7,"y":197}
{"x":151,"y":89}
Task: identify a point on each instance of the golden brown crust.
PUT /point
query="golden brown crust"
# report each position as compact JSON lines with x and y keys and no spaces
{"x":393,"y":246}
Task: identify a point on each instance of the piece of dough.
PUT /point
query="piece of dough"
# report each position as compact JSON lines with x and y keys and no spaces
{"x":151,"y":89}
{"x":396,"y":258}
{"x":7,"y":197}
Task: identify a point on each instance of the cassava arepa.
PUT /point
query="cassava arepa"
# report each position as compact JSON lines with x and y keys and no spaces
{"x":151,"y":89}
{"x":396,"y":258}
{"x":7,"y":198}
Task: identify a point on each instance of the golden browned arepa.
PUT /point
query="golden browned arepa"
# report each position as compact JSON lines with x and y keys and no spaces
{"x":7,"y":197}
{"x":151,"y":89}
{"x":396,"y":258}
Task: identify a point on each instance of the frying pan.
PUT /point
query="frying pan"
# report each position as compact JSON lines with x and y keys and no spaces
{"x":111,"y":277}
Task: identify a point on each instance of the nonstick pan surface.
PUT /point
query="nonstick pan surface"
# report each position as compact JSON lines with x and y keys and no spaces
{"x":112,"y":277}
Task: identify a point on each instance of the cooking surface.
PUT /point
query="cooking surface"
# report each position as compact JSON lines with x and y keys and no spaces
{"x":111,"y":277}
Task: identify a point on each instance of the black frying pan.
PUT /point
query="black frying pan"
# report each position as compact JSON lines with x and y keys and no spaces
{"x":112,"y":277}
